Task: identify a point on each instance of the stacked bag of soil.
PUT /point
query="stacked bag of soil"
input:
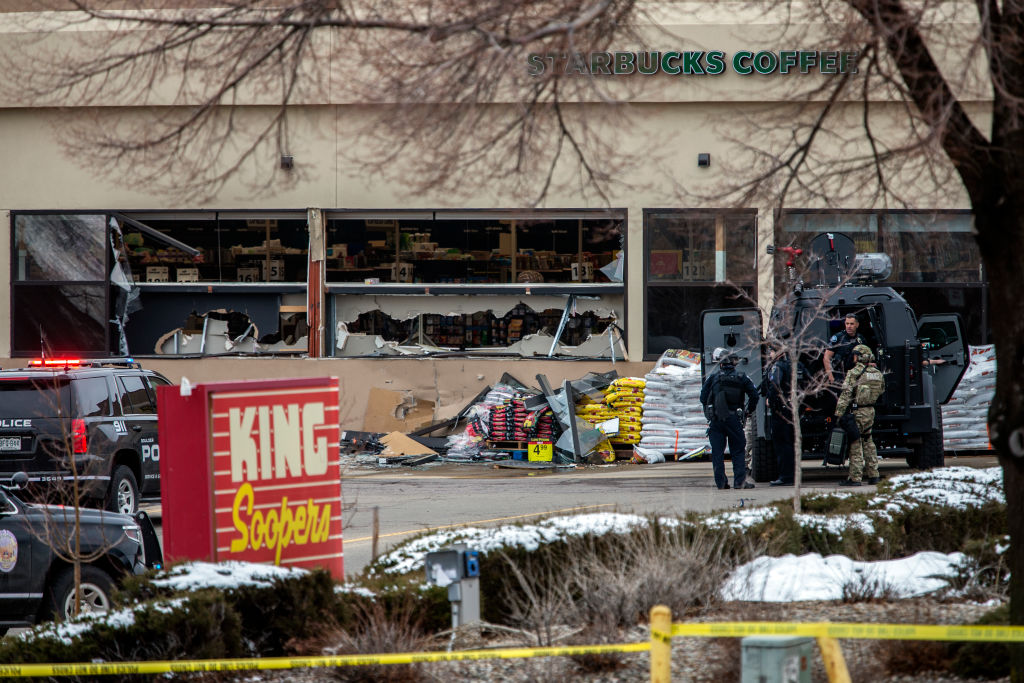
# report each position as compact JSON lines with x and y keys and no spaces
{"x":673,"y":421}
{"x":964,"y":418}
{"x":623,"y":399}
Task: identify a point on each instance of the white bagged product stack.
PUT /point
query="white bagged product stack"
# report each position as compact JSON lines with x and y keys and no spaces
{"x":673,"y":420}
{"x":964,"y":418}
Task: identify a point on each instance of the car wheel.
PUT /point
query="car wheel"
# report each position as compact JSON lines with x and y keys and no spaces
{"x":97,"y":587}
{"x":762,"y":461}
{"x":124,"y":491}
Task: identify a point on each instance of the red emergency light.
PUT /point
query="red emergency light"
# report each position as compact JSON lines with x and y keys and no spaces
{"x":56,"y":362}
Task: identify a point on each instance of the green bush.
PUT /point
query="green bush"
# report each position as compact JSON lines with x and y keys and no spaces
{"x":203,"y":626}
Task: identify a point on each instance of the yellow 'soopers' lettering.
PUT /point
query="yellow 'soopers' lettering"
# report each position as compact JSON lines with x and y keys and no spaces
{"x":278,"y":528}
{"x":244,"y":492}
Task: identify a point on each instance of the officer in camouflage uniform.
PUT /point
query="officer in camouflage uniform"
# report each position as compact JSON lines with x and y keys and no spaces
{"x":863,"y":385}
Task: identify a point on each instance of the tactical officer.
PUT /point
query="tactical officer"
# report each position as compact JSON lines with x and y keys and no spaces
{"x":778,"y":386}
{"x":863,"y":385}
{"x":722,"y":398}
{"x":841,"y":348}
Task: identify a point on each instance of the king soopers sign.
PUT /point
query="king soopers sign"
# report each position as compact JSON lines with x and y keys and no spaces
{"x":693,"y":62}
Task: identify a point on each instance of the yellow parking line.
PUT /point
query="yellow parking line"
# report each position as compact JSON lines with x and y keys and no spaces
{"x":478,"y":521}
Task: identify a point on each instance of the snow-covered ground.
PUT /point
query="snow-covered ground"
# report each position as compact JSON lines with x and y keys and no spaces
{"x":767,"y":579}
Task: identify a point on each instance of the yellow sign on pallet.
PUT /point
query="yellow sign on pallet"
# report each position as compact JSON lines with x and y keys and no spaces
{"x":539,"y":451}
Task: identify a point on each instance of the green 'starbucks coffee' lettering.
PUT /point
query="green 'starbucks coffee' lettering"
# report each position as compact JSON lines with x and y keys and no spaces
{"x":692,"y":62}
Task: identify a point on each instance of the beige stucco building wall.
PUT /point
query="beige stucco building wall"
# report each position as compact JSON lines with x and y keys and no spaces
{"x":669,"y":119}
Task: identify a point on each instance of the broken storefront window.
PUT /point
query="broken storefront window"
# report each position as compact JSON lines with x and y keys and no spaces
{"x":519,"y":331}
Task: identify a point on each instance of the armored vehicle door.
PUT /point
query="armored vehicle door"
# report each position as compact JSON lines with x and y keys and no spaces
{"x":942,"y":339}
{"x":737,"y":330}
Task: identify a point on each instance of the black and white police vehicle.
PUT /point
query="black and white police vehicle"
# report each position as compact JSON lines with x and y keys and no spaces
{"x":37,"y":547}
{"x":85,"y":425}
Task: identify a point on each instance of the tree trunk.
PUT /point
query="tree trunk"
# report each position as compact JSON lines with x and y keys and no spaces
{"x":1001,"y":237}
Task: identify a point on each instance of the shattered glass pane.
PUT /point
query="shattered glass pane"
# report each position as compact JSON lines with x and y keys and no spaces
{"x":58,"y":248}
{"x":60,"y":318}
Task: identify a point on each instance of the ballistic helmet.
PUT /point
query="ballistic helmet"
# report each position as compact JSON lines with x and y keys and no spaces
{"x":864,"y":352}
{"x":717,"y":354}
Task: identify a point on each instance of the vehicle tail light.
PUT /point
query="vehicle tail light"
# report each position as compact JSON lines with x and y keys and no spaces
{"x":79,"y":444}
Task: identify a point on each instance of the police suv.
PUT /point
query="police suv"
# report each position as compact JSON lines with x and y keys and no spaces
{"x":923,"y":358}
{"x":85,"y":426}
{"x":38,"y":544}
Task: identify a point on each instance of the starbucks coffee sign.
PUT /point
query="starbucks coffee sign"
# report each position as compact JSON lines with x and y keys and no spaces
{"x":693,"y":62}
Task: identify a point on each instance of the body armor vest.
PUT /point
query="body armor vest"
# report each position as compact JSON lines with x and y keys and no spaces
{"x":870,"y":386}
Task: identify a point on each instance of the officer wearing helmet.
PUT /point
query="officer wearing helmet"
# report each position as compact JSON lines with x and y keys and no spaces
{"x":722,"y":397}
{"x":863,"y":385}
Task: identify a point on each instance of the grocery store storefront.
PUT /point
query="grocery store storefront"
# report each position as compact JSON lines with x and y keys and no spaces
{"x":418,"y":282}
{"x":196,"y":283}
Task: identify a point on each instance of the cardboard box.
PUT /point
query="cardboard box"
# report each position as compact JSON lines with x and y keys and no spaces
{"x":393,"y":411}
{"x":505,"y":243}
{"x":397,"y":443}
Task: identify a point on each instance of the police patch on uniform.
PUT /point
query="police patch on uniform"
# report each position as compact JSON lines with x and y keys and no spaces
{"x":8,"y":550}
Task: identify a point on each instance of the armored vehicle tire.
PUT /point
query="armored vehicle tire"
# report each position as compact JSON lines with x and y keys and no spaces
{"x":124,"y":491}
{"x":762,"y":461}
{"x":930,"y":453}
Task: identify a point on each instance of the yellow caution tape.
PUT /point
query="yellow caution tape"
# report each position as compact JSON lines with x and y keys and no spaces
{"x":1004,"y":634}
{"x":101,"y":669}
{"x":709,"y":630}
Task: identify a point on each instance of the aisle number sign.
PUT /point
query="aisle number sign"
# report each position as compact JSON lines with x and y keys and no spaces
{"x":539,"y":451}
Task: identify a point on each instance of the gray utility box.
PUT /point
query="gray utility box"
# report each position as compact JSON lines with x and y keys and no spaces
{"x":777,"y":659}
{"x":458,"y":568}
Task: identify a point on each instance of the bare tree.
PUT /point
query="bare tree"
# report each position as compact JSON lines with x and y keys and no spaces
{"x":196,"y":63}
{"x":951,"y":74}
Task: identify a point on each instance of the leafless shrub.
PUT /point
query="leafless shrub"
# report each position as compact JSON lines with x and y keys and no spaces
{"x":599,"y":634}
{"x":868,"y":587}
{"x":979,"y":582}
{"x":614,"y":581}
{"x":376,"y":631}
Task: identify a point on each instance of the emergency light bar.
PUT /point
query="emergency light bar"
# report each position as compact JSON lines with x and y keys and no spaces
{"x":81,"y":362}
{"x":56,"y":362}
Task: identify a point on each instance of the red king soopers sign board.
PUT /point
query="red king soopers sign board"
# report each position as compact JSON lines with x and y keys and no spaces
{"x":250,"y":471}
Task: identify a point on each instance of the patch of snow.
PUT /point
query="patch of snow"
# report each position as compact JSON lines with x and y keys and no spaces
{"x":740,"y":520}
{"x":225,"y":575}
{"x":410,"y":557}
{"x":837,"y":524}
{"x":812,"y":577}
{"x":955,"y":487}
{"x":67,"y":631}
{"x":355,"y":590}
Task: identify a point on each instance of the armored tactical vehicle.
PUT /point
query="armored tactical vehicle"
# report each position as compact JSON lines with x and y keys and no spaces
{"x":923,"y":358}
